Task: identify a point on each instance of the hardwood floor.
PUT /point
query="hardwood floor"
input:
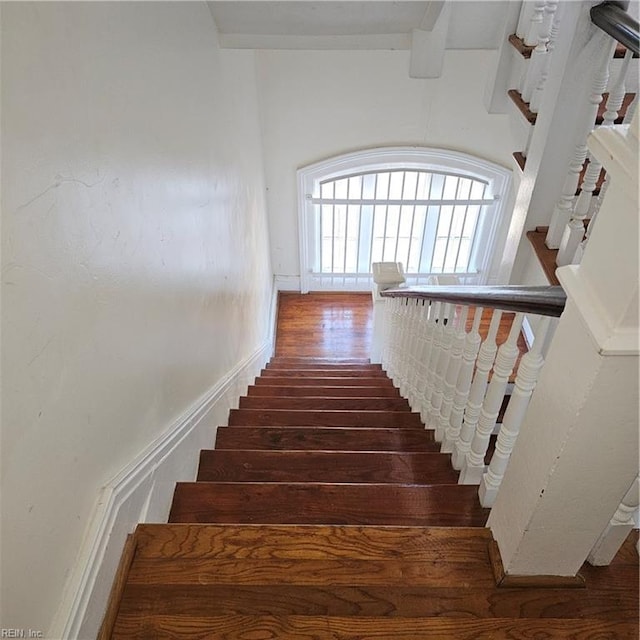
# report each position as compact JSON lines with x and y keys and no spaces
{"x":327,"y":512}
{"x":336,"y":325}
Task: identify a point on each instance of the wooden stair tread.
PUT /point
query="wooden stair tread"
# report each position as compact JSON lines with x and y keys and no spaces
{"x":302,"y":503}
{"x":335,"y":438}
{"x":387,"y":601}
{"x":352,"y":628}
{"x":546,"y":256}
{"x":319,"y":466}
{"x":336,"y":372}
{"x":319,"y":360}
{"x":320,"y":403}
{"x":325,"y":381}
{"x":332,"y":392}
{"x":322,"y":418}
{"x":332,"y":366}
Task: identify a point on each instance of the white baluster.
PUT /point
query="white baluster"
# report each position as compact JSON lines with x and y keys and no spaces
{"x":434,"y":313}
{"x":536,"y":96}
{"x":418,"y":354}
{"x":535,"y":24}
{"x":526,"y":11}
{"x":619,"y":527}
{"x":486,"y":356}
{"x":594,"y":214}
{"x":434,"y":359}
{"x":463,"y":384}
{"x":441,"y":367}
{"x":539,"y":54}
{"x":564,"y":207}
{"x":507,"y":355}
{"x":394,"y":334}
{"x":411,"y":343}
{"x":526,"y":379}
{"x":574,"y":233}
{"x":411,"y":355}
{"x":451,"y":374}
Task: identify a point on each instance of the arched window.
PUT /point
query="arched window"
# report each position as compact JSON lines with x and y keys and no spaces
{"x":434,"y":210}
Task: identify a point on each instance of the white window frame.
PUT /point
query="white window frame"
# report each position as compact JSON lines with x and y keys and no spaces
{"x":395,"y":158}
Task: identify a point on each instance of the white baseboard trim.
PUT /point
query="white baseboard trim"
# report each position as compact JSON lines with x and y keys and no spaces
{"x":142,"y":492}
{"x":287,"y":283}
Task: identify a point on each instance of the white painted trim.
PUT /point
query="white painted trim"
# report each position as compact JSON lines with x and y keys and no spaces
{"x":85,"y":595}
{"x":608,"y":339}
{"x":527,"y":331}
{"x":288,"y":283}
{"x":424,"y":158}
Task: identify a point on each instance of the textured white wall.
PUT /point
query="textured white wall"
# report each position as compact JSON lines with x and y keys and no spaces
{"x":135,"y":258}
{"x":317,"y":104}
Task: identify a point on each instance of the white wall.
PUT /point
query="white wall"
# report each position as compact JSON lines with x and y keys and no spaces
{"x":136,"y":272}
{"x":317,"y":104}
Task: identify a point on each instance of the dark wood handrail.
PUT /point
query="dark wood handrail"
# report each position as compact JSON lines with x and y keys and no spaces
{"x":615,"y":21}
{"x":544,"y":301}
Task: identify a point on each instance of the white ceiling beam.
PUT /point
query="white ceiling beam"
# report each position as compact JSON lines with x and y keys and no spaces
{"x":428,"y":47}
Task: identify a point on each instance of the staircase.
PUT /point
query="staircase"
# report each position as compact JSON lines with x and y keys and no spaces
{"x":327,"y":511}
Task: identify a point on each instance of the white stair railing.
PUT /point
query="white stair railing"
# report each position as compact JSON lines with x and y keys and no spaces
{"x":454,"y":379}
{"x":586,"y":117}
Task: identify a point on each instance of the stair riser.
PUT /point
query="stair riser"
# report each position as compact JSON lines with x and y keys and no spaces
{"x":324,"y":381}
{"x":343,"y":467}
{"x":322,"y":373}
{"x":286,"y":366}
{"x":441,"y":505}
{"x":331,"y":392}
{"x":334,"y":404}
{"x":281,"y":417}
{"x":336,"y":439}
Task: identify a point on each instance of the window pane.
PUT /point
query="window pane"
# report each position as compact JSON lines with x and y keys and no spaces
{"x":444,"y":224}
{"x":450,"y":187}
{"x":382,"y":188}
{"x":424,"y":184}
{"x":395,"y":190}
{"x":464,"y":189}
{"x":410,"y":184}
{"x":326,"y":190}
{"x":477,"y":190}
{"x":437,"y":186}
{"x":341,"y":188}
{"x":355,"y":187}
{"x":369,"y":184}
{"x":438,"y":255}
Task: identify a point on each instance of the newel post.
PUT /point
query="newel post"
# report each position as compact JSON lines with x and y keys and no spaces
{"x":386,"y":275}
{"x":577,"y":453}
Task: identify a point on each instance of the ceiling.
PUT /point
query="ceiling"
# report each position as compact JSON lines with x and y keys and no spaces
{"x":352,"y":24}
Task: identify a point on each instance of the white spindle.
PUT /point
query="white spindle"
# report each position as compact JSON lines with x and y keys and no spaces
{"x":486,"y":356}
{"x":536,"y":96}
{"x":451,"y":374}
{"x":441,"y":368}
{"x":535,"y":24}
{"x":407,"y":344}
{"x":507,"y":354}
{"x":574,"y":233}
{"x":434,"y":359}
{"x":414,"y":356}
{"x":526,"y":379}
{"x":434,"y":313}
{"x":536,"y":63}
{"x":594,"y":215}
{"x":564,"y":206}
{"x":417,"y":307}
{"x":619,"y":527}
{"x":463,"y":383}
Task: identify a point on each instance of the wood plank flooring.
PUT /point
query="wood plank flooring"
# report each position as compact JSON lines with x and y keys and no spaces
{"x":325,"y":511}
